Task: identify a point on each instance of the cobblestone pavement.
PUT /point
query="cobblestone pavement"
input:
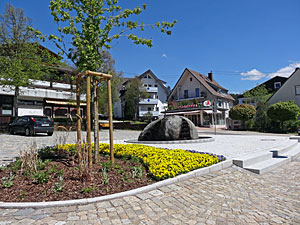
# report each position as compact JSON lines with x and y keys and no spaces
{"x":230,"y":196}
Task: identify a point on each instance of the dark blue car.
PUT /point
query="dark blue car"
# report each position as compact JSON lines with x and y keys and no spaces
{"x":31,"y":125}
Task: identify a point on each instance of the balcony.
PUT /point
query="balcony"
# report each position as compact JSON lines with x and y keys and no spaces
{"x":48,"y":93}
{"x":148,"y":101}
{"x":154,"y":113}
{"x":150,"y":89}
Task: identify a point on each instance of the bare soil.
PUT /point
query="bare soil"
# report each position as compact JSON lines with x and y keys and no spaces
{"x":122,"y":176}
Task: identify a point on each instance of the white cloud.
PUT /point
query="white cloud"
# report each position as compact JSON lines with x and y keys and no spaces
{"x":253,"y":75}
{"x":164,"y":55}
{"x":285,"y":71}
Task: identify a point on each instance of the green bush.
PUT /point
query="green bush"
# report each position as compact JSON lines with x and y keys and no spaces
{"x":283,"y":111}
{"x":242,"y":112}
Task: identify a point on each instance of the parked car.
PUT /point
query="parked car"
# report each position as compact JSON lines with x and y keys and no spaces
{"x":30,"y":125}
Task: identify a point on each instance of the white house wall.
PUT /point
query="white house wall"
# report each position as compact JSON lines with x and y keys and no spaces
{"x":161,"y":93}
{"x":186,"y":84}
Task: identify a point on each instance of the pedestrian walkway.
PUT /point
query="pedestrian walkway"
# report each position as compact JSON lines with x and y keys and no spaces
{"x":230,"y":196}
{"x":227,"y":145}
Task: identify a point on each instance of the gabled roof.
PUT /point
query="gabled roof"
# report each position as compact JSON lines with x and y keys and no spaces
{"x":161,"y":82}
{"x":207,"y":83}
{"x":284,"y":84}
{"x":269,"y":85}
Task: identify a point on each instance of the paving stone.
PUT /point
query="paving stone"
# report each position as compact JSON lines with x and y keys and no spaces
{"x":230,"y":196}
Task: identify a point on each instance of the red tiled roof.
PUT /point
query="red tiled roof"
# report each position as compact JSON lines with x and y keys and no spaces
{"x":209,"y":83}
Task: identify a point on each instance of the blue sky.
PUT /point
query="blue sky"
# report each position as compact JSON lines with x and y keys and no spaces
{"x":243,"y":43}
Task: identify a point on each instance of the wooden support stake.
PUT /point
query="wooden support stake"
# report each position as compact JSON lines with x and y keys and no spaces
{"x":110,"y":121}
{"x":97,"y":120}
{"x":108,"y":76}
{"x":79,"y":153}
{"x":88,"y":119}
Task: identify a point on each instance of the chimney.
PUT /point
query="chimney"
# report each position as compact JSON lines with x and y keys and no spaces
{"x":210,"y":76}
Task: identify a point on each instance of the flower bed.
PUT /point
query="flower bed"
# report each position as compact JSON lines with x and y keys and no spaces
{"x":161,"y":163}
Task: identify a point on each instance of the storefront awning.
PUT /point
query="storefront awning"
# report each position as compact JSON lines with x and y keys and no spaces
{"x":211,"y":112}
{"x":64,"y":102}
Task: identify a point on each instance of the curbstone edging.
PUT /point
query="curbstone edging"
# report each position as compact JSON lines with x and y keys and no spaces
{"x":202,"y":171}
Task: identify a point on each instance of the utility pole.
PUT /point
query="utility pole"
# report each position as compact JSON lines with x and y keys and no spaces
{"x":215,"y":115}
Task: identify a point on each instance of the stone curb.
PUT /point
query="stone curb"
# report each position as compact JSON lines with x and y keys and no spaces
{"x":202,"y":171}
{"x":202,"y":139}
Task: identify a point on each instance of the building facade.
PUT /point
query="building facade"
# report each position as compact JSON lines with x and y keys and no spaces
{"x":271,"y":85}
{"x":155,"y":104}
{"x":290,"y":90}
{"x":201,"y":99}
{"x":51,"y":99}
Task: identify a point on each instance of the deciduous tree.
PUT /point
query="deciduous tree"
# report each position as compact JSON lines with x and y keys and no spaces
{"x":283,"y":111}
{"x":134,"y":93}
{"x":242,"y":112}
{"x":22,"y":60}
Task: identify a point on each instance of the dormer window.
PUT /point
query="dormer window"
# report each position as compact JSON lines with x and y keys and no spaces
{"x":277,"y":85}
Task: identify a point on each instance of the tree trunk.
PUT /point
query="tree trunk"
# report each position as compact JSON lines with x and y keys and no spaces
{"x":95,"y":114}
{"x":88,"y":119}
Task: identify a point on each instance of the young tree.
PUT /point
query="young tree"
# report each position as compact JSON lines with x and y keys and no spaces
{"x":134,"y":93}
{"x":21,"y":59}
{"x":91,"y":25}
{"x":283,"y":111}
{"x":243,"y":112}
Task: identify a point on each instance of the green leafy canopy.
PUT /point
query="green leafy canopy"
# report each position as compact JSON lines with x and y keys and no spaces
{"x":242,"y":112}
{"x":90,"y":26}
{"x":283,"y":111}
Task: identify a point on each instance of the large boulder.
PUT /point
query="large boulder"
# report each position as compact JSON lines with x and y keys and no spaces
{"x":169,"y":128}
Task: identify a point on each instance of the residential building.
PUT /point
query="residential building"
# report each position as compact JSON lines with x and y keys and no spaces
{"x":155,"y":104}
{"x":192,"y":91}
{"x":271,"y":85}
{"x":290,"y":90}
{"x":50,"y":98}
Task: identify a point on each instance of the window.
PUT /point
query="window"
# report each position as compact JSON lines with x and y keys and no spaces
{"x":220,"y":103}
{"x":155,"y":85}
{"x":149,"y":77}
{"x":145,"y":85}
{"x":186,"y":93}
{"x":149,"y":109}
{"x":191,"y":79}
{"x":297,"y":89}
{"x":277,"y":85}
{"x":197,"y":91}
{"x":149,"y":85}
